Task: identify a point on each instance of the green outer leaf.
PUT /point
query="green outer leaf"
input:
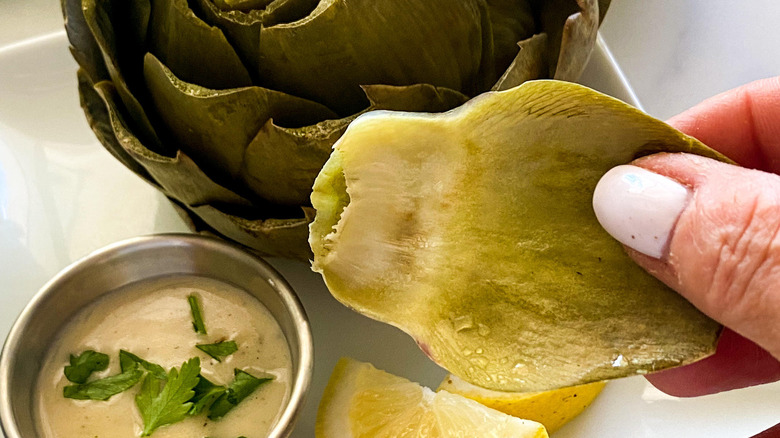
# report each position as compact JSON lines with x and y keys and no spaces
{"x":241,"y":28}
{"x":83,"y":46}
{"x":171,"y":404}
{"x":214,"y":126}
{"x":104,"y":388}
{"x":473,"y":231}
{"x":183,"y":180}
{"x":98,"y":15}
{"x":219,"y":349}
{"x":83,"y":365}
{"x":178,"y":176}
{"x":366,"y":47}
{"x":195,"y":51}
{"x":99,"y":120}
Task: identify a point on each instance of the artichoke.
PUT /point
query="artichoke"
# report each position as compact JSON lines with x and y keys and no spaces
{"x":231,"y":107}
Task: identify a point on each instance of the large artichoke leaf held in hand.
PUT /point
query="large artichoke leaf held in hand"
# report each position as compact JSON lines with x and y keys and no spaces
{"x":473,"y":231}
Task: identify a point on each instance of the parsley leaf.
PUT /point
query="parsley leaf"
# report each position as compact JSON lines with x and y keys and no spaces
{"x":169,"y":404}
{"x":218,"y":350}
{"x":205,"y":395}
{"x":242,"y":386}
{"x":83,"y":365}
{"x":197,"y":317}
{"x":129,"y":361}
{"x":105,"y":388}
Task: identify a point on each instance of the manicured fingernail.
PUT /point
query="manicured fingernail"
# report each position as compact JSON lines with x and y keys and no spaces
{"x":639,"y":208}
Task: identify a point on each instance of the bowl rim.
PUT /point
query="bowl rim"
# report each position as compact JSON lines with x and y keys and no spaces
{"x":302,"y":377}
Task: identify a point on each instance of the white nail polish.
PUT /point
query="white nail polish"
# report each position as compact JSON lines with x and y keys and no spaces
{"x":639,"y":208}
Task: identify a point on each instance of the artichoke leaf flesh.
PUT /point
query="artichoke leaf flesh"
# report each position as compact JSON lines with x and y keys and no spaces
{"x":473,"y":231}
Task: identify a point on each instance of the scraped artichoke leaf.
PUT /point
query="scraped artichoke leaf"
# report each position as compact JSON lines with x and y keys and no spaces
{"x":473,"y":231}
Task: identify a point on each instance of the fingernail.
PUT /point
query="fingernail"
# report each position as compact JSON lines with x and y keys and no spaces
{"x":639,"y":208}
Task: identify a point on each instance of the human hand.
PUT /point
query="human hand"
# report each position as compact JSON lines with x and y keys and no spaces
{"x":711,"y":231}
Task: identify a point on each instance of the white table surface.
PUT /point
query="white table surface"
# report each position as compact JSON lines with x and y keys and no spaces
{"x":674,"y":53}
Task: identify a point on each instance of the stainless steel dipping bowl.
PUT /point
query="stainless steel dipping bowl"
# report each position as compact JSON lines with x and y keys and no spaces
{"x":131,"y":261}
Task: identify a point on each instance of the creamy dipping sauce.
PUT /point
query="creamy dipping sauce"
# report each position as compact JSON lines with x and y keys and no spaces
{"x":153,"y":321}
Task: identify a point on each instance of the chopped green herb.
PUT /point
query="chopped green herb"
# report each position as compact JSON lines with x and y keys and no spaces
{"x":205,"y":395}
{"x":197,"y":316}
{"x":83,"y":365}
{"x":170,"y":404}
{"x":129,"y":361}
{"x":218,"y":350}
{"x":242,"y":386}
{"x":105,"y":388}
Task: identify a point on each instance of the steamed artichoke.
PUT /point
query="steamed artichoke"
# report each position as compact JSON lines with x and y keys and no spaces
{"x":231,"y":107}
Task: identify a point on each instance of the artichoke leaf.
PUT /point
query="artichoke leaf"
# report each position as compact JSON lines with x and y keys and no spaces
{"x":511,"y":21}
{"x":373,"y":42}
{"x":99,"y":16}
{"x":277,"y":237}
{"x":179,"y":177}
{"x":100,"y":122}
{"x":241,"y":5}
{"x":579,"y":32}
{"x":529,"y":63}
{"x":83,"y":46}
{"x":215,"y":126}
{"x":280,"y":163}
{"x":241,"y":28}
{"x":564,"y":22}
{"x":288,"y":11}
{"x":190,"y":189}
{"x":473,"y":231}
{"x":193,"y":50}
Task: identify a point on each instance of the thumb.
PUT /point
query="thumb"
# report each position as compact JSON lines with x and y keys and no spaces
{"x":709,"y":230}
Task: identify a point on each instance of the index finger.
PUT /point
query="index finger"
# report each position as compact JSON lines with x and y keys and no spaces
{"x":743,"y":124}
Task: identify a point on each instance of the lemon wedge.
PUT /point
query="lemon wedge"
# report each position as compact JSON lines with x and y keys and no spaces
{"x":361,"y":401}
{"x":551,"y":408}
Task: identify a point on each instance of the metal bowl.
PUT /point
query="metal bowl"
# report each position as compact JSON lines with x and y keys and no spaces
{"x":127,"y":262}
